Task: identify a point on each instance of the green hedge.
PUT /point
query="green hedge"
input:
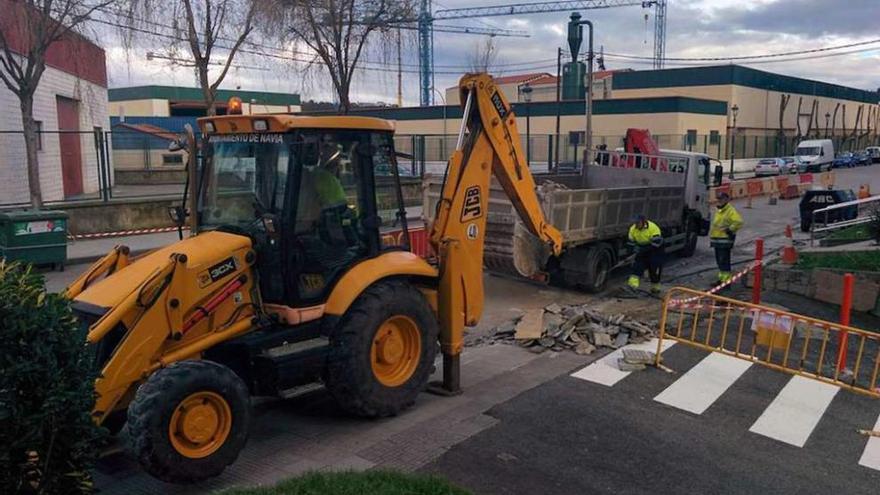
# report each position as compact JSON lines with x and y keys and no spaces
{"x":47,"y":393}
{"x":352,"y":483}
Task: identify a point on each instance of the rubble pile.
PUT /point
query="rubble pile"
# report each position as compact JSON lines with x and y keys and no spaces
{"x":578,"y":328}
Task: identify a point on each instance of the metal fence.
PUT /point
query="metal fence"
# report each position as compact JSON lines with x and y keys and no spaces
{"x":133,"y":161}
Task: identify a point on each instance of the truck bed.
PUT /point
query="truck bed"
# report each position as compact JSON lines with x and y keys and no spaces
{"x":595,"y":206}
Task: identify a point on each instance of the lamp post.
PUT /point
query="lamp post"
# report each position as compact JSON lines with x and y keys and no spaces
{"x":827,"y":117}
{"x":733,"y":110}
{"x":575,"y":35}
{"x":526,"y":91}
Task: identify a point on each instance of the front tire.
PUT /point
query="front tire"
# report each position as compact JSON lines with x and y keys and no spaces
{"x":189,"y":421}
{"x":382,"y":353}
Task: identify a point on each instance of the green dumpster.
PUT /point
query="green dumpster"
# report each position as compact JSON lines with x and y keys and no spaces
{"x":35,"y":236}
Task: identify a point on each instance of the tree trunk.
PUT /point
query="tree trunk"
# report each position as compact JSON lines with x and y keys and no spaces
{"x":29,"y":126}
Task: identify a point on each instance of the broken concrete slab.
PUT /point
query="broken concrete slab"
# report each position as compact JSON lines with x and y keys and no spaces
{"x":531,"y":325}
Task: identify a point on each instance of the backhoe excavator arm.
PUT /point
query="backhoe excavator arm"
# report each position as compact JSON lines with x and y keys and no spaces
{"x":488,"y":142}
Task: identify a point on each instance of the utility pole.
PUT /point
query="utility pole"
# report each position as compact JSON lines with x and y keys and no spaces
{"x":555,"y":165}
{"x":399,"y":73}
{"x":734,"y":110}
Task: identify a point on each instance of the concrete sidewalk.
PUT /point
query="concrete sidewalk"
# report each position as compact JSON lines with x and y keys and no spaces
{"x":88,"y":250}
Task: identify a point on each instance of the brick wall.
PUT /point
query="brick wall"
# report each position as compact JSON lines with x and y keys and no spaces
{"x":92,"y":113}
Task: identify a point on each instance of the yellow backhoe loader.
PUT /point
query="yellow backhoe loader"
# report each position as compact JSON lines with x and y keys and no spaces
{"x":285,"y":282}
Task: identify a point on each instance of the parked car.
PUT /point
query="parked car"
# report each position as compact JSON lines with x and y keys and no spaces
{"x":817,"y":154}
{"x":773,"y":166}
{"x":795,"y":164}
{"x":874,"y":153}
{"x":861,"y":158}
{"x":844,"y":160}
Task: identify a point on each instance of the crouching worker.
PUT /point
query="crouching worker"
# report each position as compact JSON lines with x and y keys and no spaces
{"x":647,"y":242}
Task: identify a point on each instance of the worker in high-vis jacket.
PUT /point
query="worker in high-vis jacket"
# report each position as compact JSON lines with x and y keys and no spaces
{"x":725,"y":224}
{"x":646,"y":240}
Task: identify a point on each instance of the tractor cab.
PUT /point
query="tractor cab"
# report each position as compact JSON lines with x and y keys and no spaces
{"x":312,"y":193}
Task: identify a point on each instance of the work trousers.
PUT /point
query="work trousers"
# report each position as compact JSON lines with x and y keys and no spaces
{"x":651,"y":259}
{"x":722,"y":257}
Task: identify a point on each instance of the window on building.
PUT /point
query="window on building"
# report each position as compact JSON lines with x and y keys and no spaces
{"x":39,"y":135}
{"x":714,"y":138}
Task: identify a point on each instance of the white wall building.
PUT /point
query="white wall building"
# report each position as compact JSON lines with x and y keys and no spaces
{"x":70,"y":104}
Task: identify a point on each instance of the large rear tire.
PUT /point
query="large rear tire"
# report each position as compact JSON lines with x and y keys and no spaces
{"x":189,"y":421}
{"x":382,"y":353}
{"x":598,"y":270}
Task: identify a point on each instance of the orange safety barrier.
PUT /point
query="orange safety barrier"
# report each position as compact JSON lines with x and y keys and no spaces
{"x":778,"y":339}
{"x":754,"y":187}
{"x":418,"y":241}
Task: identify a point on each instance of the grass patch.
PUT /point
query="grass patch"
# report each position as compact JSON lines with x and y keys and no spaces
{"x":855,"y":261}
{"x":353,"y":483}
{"x":854,"y":233}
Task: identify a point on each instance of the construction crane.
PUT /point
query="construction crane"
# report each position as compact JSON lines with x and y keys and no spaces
{"x":426,"y":27}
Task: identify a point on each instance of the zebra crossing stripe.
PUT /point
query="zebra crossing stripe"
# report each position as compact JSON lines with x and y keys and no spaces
{"x":871,"y":455}
{"x":795,"y":411}
{"x":704,"y":383}
{"x":605,"y":370}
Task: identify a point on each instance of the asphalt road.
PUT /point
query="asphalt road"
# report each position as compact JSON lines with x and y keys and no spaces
{"x":572,"y":435}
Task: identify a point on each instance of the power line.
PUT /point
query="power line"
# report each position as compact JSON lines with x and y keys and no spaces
{"x":752,"y":57}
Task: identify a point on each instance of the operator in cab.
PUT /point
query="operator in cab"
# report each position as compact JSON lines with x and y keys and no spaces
{"x":646,"y":240}
{"x":725,"y":224}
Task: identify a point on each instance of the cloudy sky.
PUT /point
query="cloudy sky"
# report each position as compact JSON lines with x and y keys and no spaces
{"x":695,"y":28}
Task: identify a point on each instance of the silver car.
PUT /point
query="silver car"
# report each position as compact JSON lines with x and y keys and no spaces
{"x":773,"y":166}
{"x":795,"y":164}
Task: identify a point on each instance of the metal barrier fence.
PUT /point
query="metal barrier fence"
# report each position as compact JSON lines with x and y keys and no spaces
{"x":132,"y":160}
{"x":800,"y":345}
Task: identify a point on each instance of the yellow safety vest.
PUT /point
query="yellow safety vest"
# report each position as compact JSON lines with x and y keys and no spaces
{"x":725,"y":219}
{"x":329,"y":189}
{"x":643,"y":237}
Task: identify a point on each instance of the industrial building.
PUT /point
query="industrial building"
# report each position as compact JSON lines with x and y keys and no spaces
{"x":145,"y":119}
{"x":176,"y":101}
{"x":698,"y":108}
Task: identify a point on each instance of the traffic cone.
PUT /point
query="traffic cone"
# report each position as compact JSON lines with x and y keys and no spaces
{"x":789,"y":253}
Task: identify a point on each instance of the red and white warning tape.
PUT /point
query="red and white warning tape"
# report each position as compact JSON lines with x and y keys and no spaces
{"x":686,"y":302}
{"x":121,"y":233}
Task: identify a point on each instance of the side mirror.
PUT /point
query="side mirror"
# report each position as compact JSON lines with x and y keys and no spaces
{"x":177,"y":215}
{"x":822,"y":152}
{"x":719,"y":175}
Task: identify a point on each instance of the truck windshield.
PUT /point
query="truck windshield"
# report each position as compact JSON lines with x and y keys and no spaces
{"x":808,"y":151}
{"x":243,"y":178}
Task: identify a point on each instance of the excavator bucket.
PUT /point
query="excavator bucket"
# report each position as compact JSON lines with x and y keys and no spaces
{"x":530,"y":255}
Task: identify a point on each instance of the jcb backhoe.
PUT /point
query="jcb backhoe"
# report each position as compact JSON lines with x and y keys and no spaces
{"x":285,"y":282}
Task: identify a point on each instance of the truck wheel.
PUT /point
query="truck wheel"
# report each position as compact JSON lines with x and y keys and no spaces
{"x":598,"y":269}
{"x":382,"y":353}
{"x":189,"y":421}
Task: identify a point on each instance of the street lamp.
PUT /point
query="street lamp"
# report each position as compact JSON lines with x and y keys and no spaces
{"x":526,"y":91}
{"x":827,"y":117}
{"x":733,"y":110}
{"x":575,"y":35}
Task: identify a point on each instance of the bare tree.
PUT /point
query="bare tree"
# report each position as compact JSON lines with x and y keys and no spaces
{"x":780,"y":135}
{"x":483,"y":56}
{"x":337,"y":33}
{"x":834,"y":118}
{"x":212,"y":32}
{"x":27,"y":31}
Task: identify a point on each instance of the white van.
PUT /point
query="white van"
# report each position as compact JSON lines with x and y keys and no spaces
{"x":873,"y":153}
{"x":816,"y":154}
